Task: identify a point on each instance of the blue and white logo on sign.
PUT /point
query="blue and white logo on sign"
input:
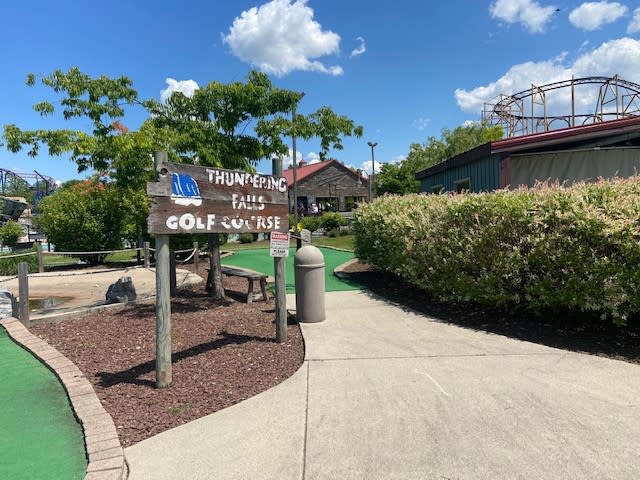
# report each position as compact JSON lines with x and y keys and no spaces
{"x":184,"y":190}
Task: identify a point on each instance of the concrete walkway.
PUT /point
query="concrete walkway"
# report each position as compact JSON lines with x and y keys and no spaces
{"x":385,"y":393}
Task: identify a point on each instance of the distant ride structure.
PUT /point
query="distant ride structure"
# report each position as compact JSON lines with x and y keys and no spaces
{"x":563,"y":104}
{"x":22,"y":191}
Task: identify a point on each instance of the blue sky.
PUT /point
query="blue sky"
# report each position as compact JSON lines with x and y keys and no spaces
{"x":404,"y":70}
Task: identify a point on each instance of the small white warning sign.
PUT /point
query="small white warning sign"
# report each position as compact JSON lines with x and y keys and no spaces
{"x":279,"y":244}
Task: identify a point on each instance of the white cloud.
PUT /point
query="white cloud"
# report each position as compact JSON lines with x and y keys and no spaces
{"x":592,"y":15}
{"x":360,"y":49}
{"x":518,"y":78}
{"x":312,"y":157}
{"x":188,"y":87}
{"x":421,"y":123}
{"x":366,"y":167}
{"x":634,"y":25}
{"x":398,"y":159}
{"x":584,"y":46}
{"x":621,"y":56}
{"x":286,"y":159}
{"x":279,"y":37}
{"x":527,"y":12}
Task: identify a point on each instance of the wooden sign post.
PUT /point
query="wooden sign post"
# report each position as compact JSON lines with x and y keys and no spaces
{"x":279,"y":269}
{"x":191,"y":199}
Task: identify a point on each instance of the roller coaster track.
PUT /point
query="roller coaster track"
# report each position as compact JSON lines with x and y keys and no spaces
{"x":528,"y":111}
{"x":11,"y":181}
{"x":14,"y":184}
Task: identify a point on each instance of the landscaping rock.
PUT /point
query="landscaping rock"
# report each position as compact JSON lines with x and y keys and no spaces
{"x":122,"y":291}
{"x":8,"y":304}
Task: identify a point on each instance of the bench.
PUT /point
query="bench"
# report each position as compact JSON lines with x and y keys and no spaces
{"x":251,"y":276}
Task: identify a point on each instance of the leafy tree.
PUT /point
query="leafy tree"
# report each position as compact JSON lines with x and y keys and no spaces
{"x":212,"y":128}
{"x":87,"y":216}
{"x":100,"y":100}
{"x":222,"y":125}
{"x":399,"y":179}
{"x":10,"y":233}
{"x":453,"y":142}
{"x":396,"y":179}
{"x":134,"y":208}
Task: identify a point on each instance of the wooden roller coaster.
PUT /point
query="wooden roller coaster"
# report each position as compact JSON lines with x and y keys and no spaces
{"x":564,"y":104}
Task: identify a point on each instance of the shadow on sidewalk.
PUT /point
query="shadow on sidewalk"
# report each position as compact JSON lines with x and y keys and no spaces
{"x":574,"y":331}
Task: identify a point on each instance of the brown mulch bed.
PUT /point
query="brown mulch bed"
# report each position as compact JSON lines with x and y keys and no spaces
{"x":568,"y":330}
{"x":223,"y":353}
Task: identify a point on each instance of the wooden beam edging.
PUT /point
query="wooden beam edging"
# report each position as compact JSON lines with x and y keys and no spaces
{"x":105,"y":454}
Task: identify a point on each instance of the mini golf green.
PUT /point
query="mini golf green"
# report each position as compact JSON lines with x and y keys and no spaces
{"x":39,"y":436}
{"x":259,"y":260}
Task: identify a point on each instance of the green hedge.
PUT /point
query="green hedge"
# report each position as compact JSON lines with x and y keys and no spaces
{"x":547,"y":248}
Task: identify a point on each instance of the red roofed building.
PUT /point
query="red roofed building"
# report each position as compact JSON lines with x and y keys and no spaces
{"x":329,"y":185}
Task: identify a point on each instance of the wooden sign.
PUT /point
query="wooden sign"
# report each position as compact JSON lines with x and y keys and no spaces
{"x":192,"y":199}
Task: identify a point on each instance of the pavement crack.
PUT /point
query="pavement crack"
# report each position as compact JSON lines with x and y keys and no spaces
{"x":406,"y":357}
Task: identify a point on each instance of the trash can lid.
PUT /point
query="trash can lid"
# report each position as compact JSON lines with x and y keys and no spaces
{"x":309,"y":255}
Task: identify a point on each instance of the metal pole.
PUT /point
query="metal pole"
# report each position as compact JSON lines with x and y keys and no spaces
{"x":294,"y":154}
{"x":295,"y":168}
{"x":279,"y":270}
{"x":372,"y":186}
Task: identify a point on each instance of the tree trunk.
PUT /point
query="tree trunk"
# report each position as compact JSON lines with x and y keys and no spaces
{"x":217,"y":290}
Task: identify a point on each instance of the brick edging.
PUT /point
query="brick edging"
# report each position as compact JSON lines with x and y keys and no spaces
{"x":105,"y":453}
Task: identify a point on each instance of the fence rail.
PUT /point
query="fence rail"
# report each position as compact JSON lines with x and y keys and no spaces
{"x":19,"y":255}
{"x":98,"y":252}
{"x":146,"y":252}
{"x":23,"y":270}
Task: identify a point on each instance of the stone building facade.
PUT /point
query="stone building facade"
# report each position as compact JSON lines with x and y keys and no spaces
{"x":329,"y":185}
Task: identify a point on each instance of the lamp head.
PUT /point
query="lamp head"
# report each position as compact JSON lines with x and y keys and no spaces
{"x":372,"y":144}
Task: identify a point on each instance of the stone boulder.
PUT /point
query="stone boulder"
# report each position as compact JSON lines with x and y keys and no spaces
{"x":8,"y":304}
{"x":122,"y":291}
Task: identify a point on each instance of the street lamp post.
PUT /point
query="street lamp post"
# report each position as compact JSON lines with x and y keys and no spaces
{"x":372,"y":183}
{"x":295,"y":161}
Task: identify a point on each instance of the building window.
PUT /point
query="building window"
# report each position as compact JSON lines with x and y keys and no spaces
{"x":463,"y":185}
{"x":437,"y":189}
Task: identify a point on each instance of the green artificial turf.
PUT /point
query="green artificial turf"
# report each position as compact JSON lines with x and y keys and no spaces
{"x":260,"y":261}
{"x":39,"y":435}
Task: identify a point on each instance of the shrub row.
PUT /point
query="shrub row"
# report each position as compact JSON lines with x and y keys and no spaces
{"x":9,"y":266}
{"x":329,"y":221}
{"x":546,"y":248}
